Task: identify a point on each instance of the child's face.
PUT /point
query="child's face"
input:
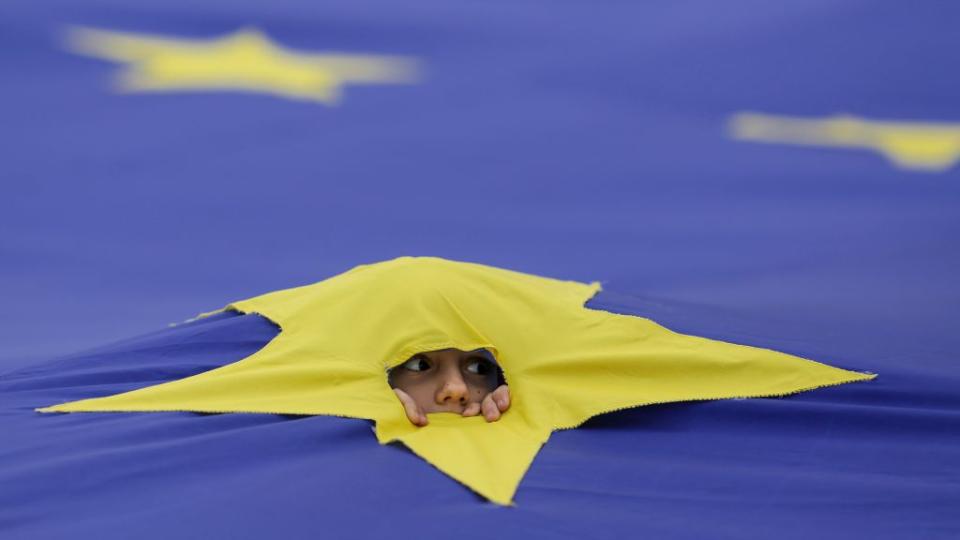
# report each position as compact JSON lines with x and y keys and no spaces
{"x":446,"y":381}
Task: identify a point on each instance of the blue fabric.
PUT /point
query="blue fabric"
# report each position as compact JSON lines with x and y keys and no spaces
{"x":571,"y":139}
{"x":869,"y":460}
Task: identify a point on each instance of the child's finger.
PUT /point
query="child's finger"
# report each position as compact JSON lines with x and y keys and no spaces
{"x":490,"y":410}
{"x":501,"y":396}
{"x":472,"y":409}
{"x":410,"y":406}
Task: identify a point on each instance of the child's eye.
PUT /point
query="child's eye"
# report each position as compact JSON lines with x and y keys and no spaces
{"x":479,"y":366}
{"x":417,"y":363}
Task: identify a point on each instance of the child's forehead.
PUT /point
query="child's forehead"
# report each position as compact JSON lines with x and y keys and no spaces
{"x":450,"y":353}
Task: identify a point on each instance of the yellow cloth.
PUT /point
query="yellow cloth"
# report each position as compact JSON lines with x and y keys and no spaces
{"x":564,"y":363}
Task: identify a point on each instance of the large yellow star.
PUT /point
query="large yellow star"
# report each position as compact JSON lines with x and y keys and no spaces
{"x":564,"y":363}
{"x":244,"y":61}
{"x":922,"y":146}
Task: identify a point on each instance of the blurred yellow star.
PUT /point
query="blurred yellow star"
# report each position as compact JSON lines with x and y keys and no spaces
{"x":922,"y":146}
{"x":246,"y":60}
{"x":564,"y":363}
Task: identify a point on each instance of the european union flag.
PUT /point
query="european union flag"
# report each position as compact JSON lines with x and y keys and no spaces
{"x":780,"y":176}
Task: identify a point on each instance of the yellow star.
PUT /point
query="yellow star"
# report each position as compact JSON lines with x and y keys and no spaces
{"x":564,"y":363}
{"x":922,"y":146}
{"x":244,"y":61}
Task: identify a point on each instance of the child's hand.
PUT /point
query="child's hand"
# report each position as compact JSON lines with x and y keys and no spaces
{"x":493,"y":405}
{"x":414,"y":413}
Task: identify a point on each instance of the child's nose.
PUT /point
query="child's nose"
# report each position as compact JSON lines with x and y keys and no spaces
{"x":453,"y":390}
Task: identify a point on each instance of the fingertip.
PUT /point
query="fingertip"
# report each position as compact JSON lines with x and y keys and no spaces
{"x":502,"y":397}
{"x":491,"y":413}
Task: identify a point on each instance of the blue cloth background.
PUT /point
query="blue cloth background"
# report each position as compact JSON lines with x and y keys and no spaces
{"x":577,"y":140}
